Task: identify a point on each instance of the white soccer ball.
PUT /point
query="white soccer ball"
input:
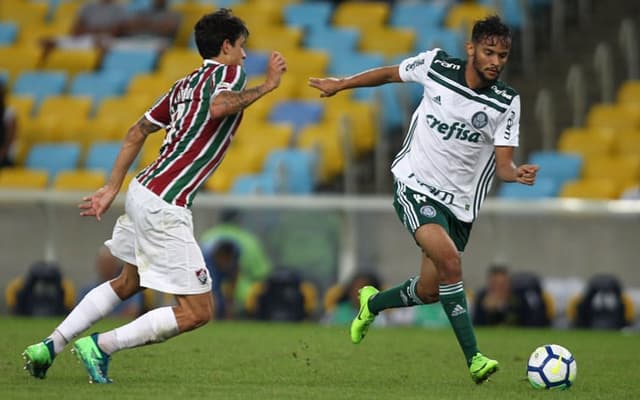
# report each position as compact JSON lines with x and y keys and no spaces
{"x":551,"y":367}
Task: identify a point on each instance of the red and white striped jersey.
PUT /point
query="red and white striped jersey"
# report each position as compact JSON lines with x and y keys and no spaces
{"x":195,"y":143}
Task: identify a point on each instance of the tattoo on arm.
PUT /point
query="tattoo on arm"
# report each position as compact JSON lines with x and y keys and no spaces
{"x":237,"y":101}
{"x":146,"y":127}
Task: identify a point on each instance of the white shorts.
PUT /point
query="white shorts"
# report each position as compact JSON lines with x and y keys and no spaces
{"x":157,"y":237}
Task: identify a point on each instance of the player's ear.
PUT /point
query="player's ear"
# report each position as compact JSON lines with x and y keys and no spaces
{"x":226,"y":46}
{"x":469,"y":48}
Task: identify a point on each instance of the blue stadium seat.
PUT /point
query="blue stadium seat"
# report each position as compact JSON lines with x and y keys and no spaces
{"x":40,"y":85}
{"x":99,"y":85}
{"x":336,"y":41}
{"x":349,"y":64}
{"x":308,"y":15}
{"x":561,"y":167}
{"x":511,"y":11}
{"x":53,"y":157}
{"x":254,"y":184}
{"x":297,"y":113}
{"x":417,"y":15}
{"x":8,"y":33}
{"x":294,"y":169}
{"x":446,"y":39}
{"x":543,"y":188}
{"x":256,"y":63}
{"x":132,"y":62}
{"x":102,"y":155}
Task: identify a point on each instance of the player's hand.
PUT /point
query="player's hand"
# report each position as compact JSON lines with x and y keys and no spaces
{"x":276,"y":68}
{"x":98,"y":203}
{"x":327,"y":86}
{"x":526,"y":174}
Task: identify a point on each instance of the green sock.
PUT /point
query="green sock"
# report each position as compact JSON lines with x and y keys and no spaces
{"x":454,"y":303}
{"x":403,"y":295}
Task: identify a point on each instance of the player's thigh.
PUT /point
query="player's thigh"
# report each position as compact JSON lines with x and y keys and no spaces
{"x":127,"y":283}
{"x":435,"y":242}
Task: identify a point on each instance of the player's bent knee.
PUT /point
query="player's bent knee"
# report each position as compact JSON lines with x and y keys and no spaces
{"x":451,"y":271}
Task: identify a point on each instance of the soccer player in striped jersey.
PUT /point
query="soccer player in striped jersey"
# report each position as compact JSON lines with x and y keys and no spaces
{"x":154,"y":237}
{"x":464,"y":130}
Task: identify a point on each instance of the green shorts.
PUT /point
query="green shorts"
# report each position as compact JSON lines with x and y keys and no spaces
{"x":416,"y":209}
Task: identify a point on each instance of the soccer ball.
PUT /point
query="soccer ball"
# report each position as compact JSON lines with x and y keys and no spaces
{"x":551,"y":367}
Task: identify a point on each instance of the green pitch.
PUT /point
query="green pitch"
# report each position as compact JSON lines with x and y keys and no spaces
{"x":308,"y":361}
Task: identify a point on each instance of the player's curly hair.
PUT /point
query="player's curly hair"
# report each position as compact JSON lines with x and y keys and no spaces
{"x":213,"y":29}
{"x":491,"y":26}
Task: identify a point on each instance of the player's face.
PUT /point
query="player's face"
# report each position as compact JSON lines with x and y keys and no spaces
{"x":489,"y":57}
{"x":236,"y":53}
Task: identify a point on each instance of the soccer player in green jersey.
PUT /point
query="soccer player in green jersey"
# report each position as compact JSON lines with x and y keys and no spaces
{"x":154,"y":237}
{"x":463,"y":132}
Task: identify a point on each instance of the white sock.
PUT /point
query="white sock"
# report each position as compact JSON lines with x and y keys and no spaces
{"x":98,"y":303}
{"x":153,"y":327}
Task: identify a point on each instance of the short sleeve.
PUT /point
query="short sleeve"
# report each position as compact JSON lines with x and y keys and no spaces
{"x":229,"y":77}
{"x":508,"y":129}
{"x":159,"y":113}
{"x":414,"y":69}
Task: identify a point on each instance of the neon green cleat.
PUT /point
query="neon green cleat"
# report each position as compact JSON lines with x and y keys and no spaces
{"x":360,"y":324}
{"x":38,"y":358}
{"x":95,"y":361}
{"x":482,"y":368}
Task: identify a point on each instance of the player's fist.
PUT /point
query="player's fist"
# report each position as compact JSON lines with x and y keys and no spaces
{"x":276,"y":67}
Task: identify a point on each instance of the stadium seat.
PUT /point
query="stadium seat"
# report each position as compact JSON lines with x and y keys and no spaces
{"x":361,"y":119}
{"x":24,"y":13}
{"x":99,"y":85}
{"x":361,"y":15}
{"x":613,"y":116}
{"x":72,"y":61}
{"x":102,"y":155}
{"x":511,"y":11}
{"x":336,"y":41}
{"x":629,"y":92}
{"x":129,"y":61}
{"x":586,"y":142}
{"x":389,"y":42}
{"x":297,"y":113}
{"x":40,"y":85}
{"x":78,"y":180}
{"x":416,"y":15}
{"x":264,"y":37}
{"x":595,"y":189}
{"x":561,"y":167}
{"x":352,"y":63}
{"x":295,"y":169}
{"x":254,"y":184}
{"x":623,"y":170}
{"x":19,"y":59}
{"x":177,"y":62}
{"x":324,"y":140}
{"x":154,"y":84}
{"x":260,"y":14}
{"x":53,"y":157}
{"x":8,"y":33}
{"x":60,"y":118}
{"x":462,"y":16}
{"x":448,"y":40}
{"x":256,"y":63}
{"x":543,"y":188}
{"x":308,"y":16}
{"x":627,"y":142}
{"x":305,"y":63}
{"x":23,"y":178}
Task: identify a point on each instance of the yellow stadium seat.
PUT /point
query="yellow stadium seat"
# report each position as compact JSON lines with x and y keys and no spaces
{"x":627,"y":142}
{"x":24,"y":12}
{"x":269,"y":38}
{"x":72,"y":61}
{"x":154,"y":84}
{"x":65,"y":13}
{"x":190,"y":13}
{"x":264,"y":134}
{"x":222,"y":179}
{"x":301,"y":64}
{"x":624,"y":170}
{"x":462,"y":16}
{"x":178,"y":62}
{"x":326,"y":140}
{"x":612,"y":116}
{"x":23,"y":178}
{"x":79,"y":180}
{"x":129,"y":107}
{"x":23,"y":106}
{"x":60,"y":118}
{"x":361,"y":15}
{"x":389,"y":42}
{"x":355,"y":118}
{"x":629,"y":92}
{"x":586,"y":142}
{"x":595,"y":189}
{"x":259,"y":14}
{"x":18,"y":59}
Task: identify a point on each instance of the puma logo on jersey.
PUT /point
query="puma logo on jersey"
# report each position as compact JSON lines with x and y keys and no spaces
{"x":455,"y":130}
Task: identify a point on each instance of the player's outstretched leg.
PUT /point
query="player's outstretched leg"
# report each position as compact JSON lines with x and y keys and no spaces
{"x":482,"y":367}
{"x":360,"y":324}
{"x":95,"y":361}
{"x":38,"y":358}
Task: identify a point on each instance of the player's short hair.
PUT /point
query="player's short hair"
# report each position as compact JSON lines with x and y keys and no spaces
{"x":491,"y":26}
{"x":213,"y":29}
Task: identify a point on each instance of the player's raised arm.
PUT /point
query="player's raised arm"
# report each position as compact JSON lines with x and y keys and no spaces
{"x":372,"y":77}
{"x":229,"y":102}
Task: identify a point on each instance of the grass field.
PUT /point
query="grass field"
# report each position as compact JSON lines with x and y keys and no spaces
{"x":308,"y":361}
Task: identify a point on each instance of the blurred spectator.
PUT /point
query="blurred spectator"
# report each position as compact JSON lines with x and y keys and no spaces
{"x":108,"y":267}
{"x":497,"y":304}
{"x":41,"y":292}
{"x":253,"y":265}
{"x":223,"y":263}
{"x":155,"y":27}
{"x":341,"y":301}
{"x":96,"y":24}
{"x":8,"y":127}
